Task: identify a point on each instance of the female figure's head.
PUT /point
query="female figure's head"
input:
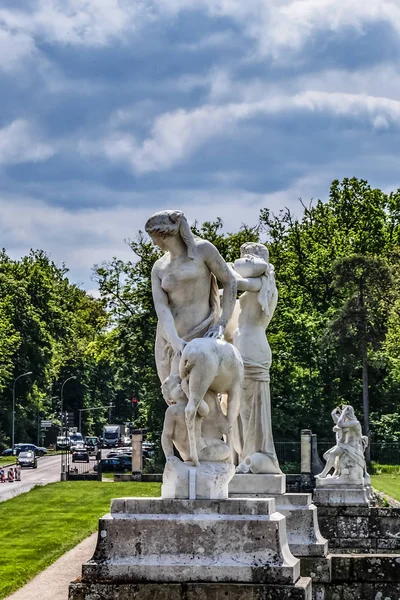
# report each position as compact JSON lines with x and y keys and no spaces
{"x":255,"y":249}
{"x":253,"y":261}
{"x":166,"y":223}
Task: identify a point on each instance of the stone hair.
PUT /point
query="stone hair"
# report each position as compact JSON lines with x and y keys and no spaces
{"x":172,"y":222}
{"x":255,"y":249}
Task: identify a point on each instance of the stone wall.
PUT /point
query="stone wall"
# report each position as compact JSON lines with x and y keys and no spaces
{"x":359,"y":529}
{"x":361,"y":577}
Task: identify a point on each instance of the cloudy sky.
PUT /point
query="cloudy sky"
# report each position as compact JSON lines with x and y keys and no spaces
{"x":113,"y":109}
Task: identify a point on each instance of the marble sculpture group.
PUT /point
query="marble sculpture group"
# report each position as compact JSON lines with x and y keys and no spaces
{"x":212,"y":354}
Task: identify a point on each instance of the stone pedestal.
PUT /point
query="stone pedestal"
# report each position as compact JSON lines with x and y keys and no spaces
{"x":301,"y":590}
{"x":249,"y":485}
{"x":208,"y":481}
{"x":302,"y":527}
{"x":329,"y":491}
{"x":146,"y":542}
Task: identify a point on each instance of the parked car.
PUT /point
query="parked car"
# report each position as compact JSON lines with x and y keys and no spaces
{"x":80,"y":455}
{"x":118,"y":452}
{"x":18,"y":448}
{"x":118,"y":464}
{"x":27,"y":459}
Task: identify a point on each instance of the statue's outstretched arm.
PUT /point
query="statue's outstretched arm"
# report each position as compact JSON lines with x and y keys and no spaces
{"x":223,"y":273}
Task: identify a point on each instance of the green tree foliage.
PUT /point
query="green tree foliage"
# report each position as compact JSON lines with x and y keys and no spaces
{"x":47,"y":326}
{"x":323,"y":259}
{"x":334,"y":336}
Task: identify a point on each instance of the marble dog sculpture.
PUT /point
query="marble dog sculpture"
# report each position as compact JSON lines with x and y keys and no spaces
{"x":209,"y":364}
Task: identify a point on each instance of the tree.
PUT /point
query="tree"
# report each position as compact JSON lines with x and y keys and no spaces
{"x":360,"y":324}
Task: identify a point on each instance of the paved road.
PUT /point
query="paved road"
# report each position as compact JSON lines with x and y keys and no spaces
{"x":48,"y":471}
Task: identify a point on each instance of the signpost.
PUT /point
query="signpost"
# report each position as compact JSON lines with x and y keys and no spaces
{"x":46,"y":424}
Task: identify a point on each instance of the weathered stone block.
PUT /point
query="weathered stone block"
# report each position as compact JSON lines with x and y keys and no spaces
{"x":319,"y":569}
{"x":379,"y":568}
{"x":199,"y":591}
{"x":170,"y":541}
{"x":302,"y":526}
{"x":388,"y":543}
{"x":250,"y":484}
{"x":353,"y":527}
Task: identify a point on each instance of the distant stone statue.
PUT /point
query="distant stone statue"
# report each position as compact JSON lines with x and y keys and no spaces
{"x":255,"y":277}
{"x":346,"y":458}
{"x":185,"y":290}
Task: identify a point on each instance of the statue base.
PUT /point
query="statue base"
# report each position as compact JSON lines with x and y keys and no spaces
{"x":304,"y":536}
{"x":250,"y":485}
{"x":331,"y":492}
{"x":208,"y":481}
{"x":301,"y":590}
{"x":236,"y":547}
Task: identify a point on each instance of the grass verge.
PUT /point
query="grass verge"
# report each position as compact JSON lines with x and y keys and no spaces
{"x":38,"y":527}
{"x":388,"y":483}
{"x":6,"y":460}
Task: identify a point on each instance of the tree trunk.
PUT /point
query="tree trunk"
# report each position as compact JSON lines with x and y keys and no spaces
{"x":366,"y":401}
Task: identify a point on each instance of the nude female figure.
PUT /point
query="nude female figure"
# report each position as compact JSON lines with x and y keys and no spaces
{"x":185,"y":291}
{"x":255,"y":276}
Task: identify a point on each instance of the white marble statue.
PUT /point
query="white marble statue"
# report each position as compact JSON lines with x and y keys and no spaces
{"x":185,"y":291}
{"x":193,"y":362}
{"x":255,"y":277}
{"x":210,"y":365}
{"x":346,"y":458}
{"x":175,"y":432}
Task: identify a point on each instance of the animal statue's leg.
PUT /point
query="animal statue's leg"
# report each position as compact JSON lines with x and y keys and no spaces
{"x":190,"y":417}
{"x":233,"y":404}
{"x":200,"y":379}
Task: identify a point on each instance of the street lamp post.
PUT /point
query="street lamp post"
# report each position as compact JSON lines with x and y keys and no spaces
{"x":63,"y":463}
{"x":13,"y":408}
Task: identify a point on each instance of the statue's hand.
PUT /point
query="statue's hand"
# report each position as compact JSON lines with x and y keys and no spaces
{"x":216,"y":332}
{"x":178,"y":345}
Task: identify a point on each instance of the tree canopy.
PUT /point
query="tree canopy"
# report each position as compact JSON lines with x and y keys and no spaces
{"x":334,"y":336}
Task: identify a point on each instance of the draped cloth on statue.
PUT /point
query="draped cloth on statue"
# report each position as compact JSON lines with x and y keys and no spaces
{"x":165,"y":350}
{"x":353,"y":451}
{"x":255,"y":410}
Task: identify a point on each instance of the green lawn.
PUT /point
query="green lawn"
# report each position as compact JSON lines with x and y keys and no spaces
{"x":387,"y":483}
{"x":6,"y":460}
{"x":38,"y":527}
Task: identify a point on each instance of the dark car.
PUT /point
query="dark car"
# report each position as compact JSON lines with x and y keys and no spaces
{"x":25,"y":448}
{"x":27,"y":459}
{"x":118,"y":464}
{"x":80,"y":455}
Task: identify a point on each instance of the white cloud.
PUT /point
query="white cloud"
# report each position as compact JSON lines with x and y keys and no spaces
{"x":176,"y":135}
{"x":20,"y":142}
{"x":85,"y":237}
{"x":15,"y":49}
{"x":278,"y":27}
{"x":88,"y":22}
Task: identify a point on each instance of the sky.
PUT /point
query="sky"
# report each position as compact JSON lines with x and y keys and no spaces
{"x":113,"y":109}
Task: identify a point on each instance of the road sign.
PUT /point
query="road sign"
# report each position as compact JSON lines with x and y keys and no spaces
{"x":45,"y":424}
